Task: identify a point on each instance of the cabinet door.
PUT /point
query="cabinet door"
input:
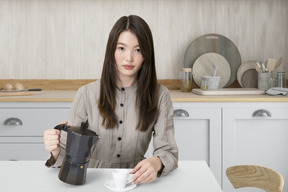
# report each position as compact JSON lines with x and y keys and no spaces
{"x":22,"y":126}
{"x":255,"y":136}
{"x":198,"y":135}
{"x":22,"y":148}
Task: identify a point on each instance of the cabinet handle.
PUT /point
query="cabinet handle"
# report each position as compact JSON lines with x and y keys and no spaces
{"x":181,"y":113}
{"x":13,"y":121}
{"x":261,"y":113}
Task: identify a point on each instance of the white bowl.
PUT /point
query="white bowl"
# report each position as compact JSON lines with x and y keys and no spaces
{"x":210,"y":82}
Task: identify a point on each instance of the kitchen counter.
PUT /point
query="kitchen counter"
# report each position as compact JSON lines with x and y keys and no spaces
{"x":34,"y":176}
{"x":177,"y":96}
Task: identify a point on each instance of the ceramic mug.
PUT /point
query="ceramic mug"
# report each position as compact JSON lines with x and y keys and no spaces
{"x":120,"y":177}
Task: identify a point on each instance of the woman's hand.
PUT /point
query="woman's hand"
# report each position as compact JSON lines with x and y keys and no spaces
{"x":146,"y":170}
{"x":52,"y":140}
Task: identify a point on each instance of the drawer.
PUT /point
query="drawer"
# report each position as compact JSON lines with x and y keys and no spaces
{"x":31,"y":121}
{"x":258,"y":113}
{"x":23,"y":151}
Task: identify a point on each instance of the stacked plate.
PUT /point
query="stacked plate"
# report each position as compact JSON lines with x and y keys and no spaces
{"x":211,"y":50}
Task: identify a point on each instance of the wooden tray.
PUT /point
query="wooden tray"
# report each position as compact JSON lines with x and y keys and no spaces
{"x":230,"y":91}
{"x":5,"y":94}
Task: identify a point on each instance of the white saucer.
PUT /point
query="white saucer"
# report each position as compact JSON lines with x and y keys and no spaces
{"x":110,"y":185}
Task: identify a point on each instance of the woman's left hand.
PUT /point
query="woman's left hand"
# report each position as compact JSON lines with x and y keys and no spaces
{"x":146,"y":170}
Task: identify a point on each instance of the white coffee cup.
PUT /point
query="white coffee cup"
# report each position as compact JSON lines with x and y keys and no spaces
{"x":120,"y":177}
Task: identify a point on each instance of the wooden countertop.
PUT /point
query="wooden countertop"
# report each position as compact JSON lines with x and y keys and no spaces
{"x":177,"y":96}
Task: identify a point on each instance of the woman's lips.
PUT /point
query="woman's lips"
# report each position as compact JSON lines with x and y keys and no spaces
{"x":129,"y":67}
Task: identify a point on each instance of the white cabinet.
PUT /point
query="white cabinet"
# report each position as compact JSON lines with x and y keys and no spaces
{"x":230,"y":133}
{"x":22,"y":126}
{"x":221,"y":133}
{"x":257,"y":134}
{"x":198,"y":134}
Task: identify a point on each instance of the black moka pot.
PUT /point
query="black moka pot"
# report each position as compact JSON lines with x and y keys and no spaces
{"x":79,"y":143}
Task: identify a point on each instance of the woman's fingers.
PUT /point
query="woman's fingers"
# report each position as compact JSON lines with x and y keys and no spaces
{"x":146,"y":170}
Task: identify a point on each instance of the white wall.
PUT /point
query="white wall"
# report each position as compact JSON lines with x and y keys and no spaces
{"x":66,"y":39}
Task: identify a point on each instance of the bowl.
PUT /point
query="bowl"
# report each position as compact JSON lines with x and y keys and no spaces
{"x":210,"y":82}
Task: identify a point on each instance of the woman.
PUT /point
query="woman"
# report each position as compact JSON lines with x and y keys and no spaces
{"x":125,"y":108}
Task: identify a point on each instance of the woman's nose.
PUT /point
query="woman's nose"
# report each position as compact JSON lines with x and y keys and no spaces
{"x":129,"y":56}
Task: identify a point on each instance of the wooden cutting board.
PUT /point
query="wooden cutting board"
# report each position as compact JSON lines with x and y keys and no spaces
{"x":247,"y":75}
{"x":204,"y":65}
{"x":214,"y":43}
{"x":24,"y":93}
{"x":230,"y":91}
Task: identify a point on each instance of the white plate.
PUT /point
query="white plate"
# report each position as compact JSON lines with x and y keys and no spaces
{"x":204,"y":65}
{"x":111,"y":185}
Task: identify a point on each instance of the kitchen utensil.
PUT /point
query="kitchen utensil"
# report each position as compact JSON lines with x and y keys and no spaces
{"x":229,"y":91}
{"x":247,"y":75}
{"x":205,"y":66}
{"x":258,"y":67}
{"x":21,"y":90}
{"x":263,"y":68}
{"x":270,"y":64}
{"x":214,"y":43}
{"x":215,"y":70}
{"x":79,"y":143}
{"x":278,"y":62}
{"x":264,"y":80}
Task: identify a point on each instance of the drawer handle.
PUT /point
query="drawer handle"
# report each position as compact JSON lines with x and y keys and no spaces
{"x":262,"y":113}
{"x":13,"y":121}
{"x":181,"y":113}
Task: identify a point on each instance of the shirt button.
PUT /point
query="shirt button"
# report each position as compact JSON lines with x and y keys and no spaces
{"x":122,"y":105}
{"x":120,"y":122}
{"x":118,"y":155}
{"x":122,"y":89}
{"x":119,"y":138}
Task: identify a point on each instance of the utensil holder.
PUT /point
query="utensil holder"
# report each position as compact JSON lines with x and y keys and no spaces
{"x":264,"y":81}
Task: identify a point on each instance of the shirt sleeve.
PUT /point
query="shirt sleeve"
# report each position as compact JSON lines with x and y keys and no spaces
{"x":163,"y":136}
{"x":77,"y":115}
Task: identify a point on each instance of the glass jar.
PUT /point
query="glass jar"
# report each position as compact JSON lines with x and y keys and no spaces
{"x":186,"y":80}
{"x":281,"y":80}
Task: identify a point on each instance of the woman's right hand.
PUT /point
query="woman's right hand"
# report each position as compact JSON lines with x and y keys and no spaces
{"x":52,"y":140}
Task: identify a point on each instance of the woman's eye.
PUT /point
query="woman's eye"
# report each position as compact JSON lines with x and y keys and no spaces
{"x":138,"y":50}
{"x":121,"y":48}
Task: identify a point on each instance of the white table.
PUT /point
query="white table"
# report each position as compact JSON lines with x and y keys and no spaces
{"x":34,"y":176}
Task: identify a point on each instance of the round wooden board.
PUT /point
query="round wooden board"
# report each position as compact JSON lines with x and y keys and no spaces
{"x":204,"y":65}
{"x":218,"y":44}
{"x":247,"y":75}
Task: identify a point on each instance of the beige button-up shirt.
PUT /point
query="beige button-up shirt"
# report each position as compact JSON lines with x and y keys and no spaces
{"x":124,"y":146}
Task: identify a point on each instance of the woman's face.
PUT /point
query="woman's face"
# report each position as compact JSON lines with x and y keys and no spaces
{"x":128,"y":56}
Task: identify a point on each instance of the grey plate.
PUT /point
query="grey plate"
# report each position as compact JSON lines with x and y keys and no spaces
{"x":218,"y":44}
{"x":247,"y":75}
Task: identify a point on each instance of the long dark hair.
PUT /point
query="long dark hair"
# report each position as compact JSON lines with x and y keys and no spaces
{"x":147,"y":90}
